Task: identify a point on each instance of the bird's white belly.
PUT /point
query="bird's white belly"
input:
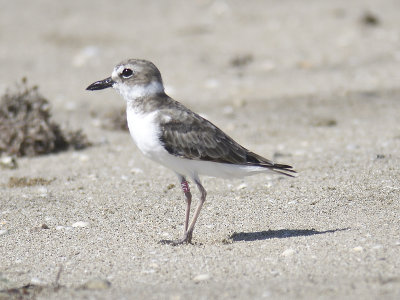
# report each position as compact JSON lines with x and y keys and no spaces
{"x":194,"y":168}
{"x":145,"y":133}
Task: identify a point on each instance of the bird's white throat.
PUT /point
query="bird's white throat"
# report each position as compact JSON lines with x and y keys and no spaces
{"x":132,"y":92}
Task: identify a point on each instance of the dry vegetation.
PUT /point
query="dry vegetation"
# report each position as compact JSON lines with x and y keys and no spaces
{"x":26,"y":128}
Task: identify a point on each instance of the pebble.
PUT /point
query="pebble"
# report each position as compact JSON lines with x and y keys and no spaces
{"x":37,"y":281}
{"x":241,"y":186}
{"x":357,"y":249}
{"x":288,"y":252}
{"x":3,"y":231}
{"x":351,"y":147}
{"x":136,"y":171}
{"x":377,"y":247}
{"x":201,"y":277}
{"x":8,"y":162}
{"x":154,"y":266}
{"x":44,"y":226}
{"x":96,"y":284}
{"x":268,"y":185}
{"x":63,"y":227}
{"x":42,"y":191}
{"x":80,"y":224}
{"x":83,"y":157}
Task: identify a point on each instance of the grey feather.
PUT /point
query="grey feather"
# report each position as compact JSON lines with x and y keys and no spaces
{"x":187,"y":135}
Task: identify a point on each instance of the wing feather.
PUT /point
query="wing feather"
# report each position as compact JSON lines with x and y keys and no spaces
{"x":188,"y":135}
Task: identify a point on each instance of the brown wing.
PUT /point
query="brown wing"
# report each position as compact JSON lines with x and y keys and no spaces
{"x":188,"y":135}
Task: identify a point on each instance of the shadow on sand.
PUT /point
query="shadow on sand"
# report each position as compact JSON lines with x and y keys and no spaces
{"x":278,"y":234}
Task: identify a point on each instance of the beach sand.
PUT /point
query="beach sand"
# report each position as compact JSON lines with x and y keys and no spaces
{"x":313,"y":84}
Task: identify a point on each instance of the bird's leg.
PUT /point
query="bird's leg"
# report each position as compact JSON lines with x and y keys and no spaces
{"x":189,"y":233}
{"x":187,"y":237}
{"x":188,"y":198}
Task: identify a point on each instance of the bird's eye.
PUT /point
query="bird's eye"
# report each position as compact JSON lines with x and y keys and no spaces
{"x":126,"y":73}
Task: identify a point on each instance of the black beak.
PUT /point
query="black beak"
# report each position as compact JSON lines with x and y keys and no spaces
{"x":101,"y":84}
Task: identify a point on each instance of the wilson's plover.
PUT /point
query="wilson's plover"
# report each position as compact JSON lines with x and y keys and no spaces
{"x":171,"y":134}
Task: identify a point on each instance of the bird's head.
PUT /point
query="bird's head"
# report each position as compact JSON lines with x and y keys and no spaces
{"x":132,"y":78}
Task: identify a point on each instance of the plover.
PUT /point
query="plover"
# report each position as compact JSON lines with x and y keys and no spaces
{"x":169,"y":133}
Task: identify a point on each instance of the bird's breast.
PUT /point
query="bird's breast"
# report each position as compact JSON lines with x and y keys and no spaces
{"x":145,"y":132}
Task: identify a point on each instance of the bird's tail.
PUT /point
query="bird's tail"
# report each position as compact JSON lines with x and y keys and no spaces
{"x":258,"y":160}
{"x":283,"y":169}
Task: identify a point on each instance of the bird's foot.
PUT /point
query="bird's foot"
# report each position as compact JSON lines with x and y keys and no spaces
{"x":187,"y":239}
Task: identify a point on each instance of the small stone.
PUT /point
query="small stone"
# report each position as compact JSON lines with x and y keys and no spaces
{"x":8,"y":162}
{"x":288,"y":252}
{"x":241,"y":60}
{"x":44,"y":226}
{"x":3,"y":231}
{"x":352,"y":147}
{"x":154,"y":266}
{"x":83,"y":157}
{"x":42,"y":191}
{"x":370,"y":19}
{"x":136,"y":171}
{"x":37,"y":281}
{"x":327,"y":122}
{"x":201,"y":277}
{"x":357,"y":249}
{"x":241,"y":186}
{"x":80,"y":224}
{"x":96,"y":284}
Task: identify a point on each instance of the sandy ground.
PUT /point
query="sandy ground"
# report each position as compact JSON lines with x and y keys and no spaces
{"x":308,"y":83}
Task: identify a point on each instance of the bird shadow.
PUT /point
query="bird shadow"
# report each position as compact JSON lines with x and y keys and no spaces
{"x":278,"y":234}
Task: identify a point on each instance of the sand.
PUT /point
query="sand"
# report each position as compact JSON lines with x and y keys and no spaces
{"x":314,"y":84}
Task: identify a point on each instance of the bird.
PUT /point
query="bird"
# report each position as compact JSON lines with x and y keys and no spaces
{"x":174,"y":136}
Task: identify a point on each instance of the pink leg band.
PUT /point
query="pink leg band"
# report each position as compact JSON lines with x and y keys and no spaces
{"x":185,"y":186}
